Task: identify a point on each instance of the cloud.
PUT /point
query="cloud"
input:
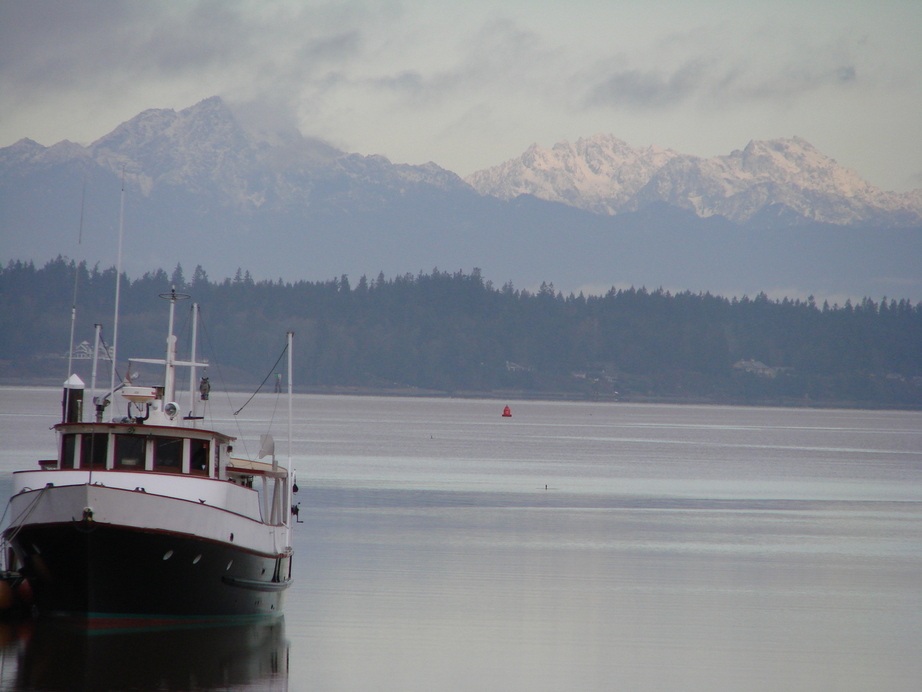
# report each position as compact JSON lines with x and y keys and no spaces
{"x":58,"y":45}
{"x":458,"y":81}
{"x":498,"y":54}
{"x":313,"y":51}
{"x":66,"y":61}
{"x":648,"y":88}
{"x":789,"y":82}
{"x":50,"y":43}
{"x":712,"y":71}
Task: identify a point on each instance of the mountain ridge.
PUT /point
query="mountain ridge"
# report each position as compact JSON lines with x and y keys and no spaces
{"x":202,"y":189}
{"x":603,"y":174}
{"x":203,"y":146}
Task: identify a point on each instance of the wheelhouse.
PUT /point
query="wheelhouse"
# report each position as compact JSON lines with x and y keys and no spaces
{"x":141,"y":448}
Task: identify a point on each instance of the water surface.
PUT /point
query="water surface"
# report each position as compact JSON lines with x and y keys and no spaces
{"x":574,"y":546}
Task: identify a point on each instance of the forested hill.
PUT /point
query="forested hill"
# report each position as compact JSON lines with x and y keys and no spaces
{"x":455,"y":333}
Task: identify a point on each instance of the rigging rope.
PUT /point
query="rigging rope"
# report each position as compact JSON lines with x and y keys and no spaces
{"x":272,"y":370}
{"x":105,"y":348}
{"x":210,"y":349}
{"x":23,"y":516}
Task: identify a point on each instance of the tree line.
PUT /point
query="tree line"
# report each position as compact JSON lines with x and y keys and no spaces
{"x":455,"y":332}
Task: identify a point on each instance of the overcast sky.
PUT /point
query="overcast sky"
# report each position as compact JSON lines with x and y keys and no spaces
{"x":471,"y":83}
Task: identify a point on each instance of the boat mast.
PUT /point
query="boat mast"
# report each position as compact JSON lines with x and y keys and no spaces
{"x":192,"y":388}
{"x":169,"y":378}
{"x":289,"y":480}
{"x":170,"y":363}
{"x":118,"y":285}
{"x":96,"y":328}
{"x":73,"y":308}
{"x":290,"y":339}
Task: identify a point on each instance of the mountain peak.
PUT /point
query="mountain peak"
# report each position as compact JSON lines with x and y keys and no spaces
{"x":211,"y":103}
{"x":28,"y":152}
{"x":191,"y":147}
{"x":603,"y":174}
{"x":209,"y":117}
{"x":600,"y":173}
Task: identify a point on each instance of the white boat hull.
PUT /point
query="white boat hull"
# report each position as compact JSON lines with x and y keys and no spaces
{"x":104,"y":553}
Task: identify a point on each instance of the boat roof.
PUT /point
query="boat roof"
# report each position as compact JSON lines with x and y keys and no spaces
{"x":251,"y":466}
{"x":135,"y":428}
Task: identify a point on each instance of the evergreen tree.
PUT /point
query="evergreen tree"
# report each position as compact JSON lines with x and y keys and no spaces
{"x":453,"y":331}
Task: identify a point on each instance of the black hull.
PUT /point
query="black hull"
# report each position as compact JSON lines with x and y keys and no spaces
{"x":114,"y":576}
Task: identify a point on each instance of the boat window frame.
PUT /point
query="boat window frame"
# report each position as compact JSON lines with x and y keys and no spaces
{"x":71,"y":440}
{"x":117,"y":456}
{"x":196,"y":445}
{"x":90,"y":440}
{"x":160,"y":441}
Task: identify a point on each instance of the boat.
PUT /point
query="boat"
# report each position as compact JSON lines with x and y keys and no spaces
{"x":151,"y":518}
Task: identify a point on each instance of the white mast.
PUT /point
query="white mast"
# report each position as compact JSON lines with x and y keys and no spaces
{"x":192,"y":388}
{"x":96,"y":328}
{"x":289,"y":480}
{"x":170,"y":362}
{"x":118,"y":285}
{"x":169,"y":380}
{"x":73,"y":309}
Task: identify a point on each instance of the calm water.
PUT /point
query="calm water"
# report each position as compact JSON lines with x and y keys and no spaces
{"x":674,"y":548}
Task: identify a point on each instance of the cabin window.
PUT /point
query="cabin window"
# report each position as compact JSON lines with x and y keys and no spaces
{"x":93,"y":450}
{"x":198,"y":457}
{"x":168,"y":454}
{"x":129,"y":452}
{"x":68,"y":449}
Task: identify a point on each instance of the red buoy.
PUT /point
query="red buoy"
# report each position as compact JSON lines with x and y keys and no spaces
{"x":507,"y":412}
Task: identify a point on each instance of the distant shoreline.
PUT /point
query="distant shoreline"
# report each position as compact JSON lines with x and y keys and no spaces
{"x":522,"y":395}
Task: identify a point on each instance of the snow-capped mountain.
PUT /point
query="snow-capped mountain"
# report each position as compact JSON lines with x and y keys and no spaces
{"x":195,"y":148}
{"x":200,"y":188}
{"x":780,"y":179}
{"x":203,"y":151}
{"x":601,"y":174}
{"x":198,"y":184}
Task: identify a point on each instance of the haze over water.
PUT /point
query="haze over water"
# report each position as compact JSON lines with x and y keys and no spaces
{"x":675,"y":547}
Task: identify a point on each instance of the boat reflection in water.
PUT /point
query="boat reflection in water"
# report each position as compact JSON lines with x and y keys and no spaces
{"x":54,"y":656}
